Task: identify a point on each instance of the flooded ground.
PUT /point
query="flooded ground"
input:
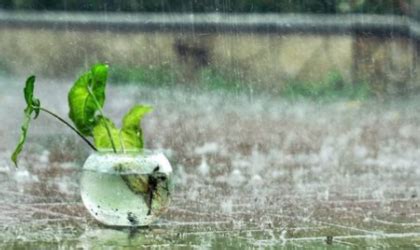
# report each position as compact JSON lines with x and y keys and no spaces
{"x":251,"y":171}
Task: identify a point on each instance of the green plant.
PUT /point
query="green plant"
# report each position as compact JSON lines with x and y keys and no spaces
{"x":208,"y":79}
{"x":211,"y":79}
{"x":155,"y":76}
{"x":332,"y":87}
{"x":86,"y":100}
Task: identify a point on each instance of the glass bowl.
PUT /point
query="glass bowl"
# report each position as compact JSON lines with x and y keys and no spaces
{"x":126,"y":189}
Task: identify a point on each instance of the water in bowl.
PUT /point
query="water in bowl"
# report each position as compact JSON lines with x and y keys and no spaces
{"x":125,"y":194}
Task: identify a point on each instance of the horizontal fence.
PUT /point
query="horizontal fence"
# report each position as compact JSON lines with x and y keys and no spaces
{"x":265,"y":49}
{"x":377,"y":25}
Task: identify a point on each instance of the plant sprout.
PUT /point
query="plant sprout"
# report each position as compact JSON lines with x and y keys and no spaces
{"x":86,"y":100}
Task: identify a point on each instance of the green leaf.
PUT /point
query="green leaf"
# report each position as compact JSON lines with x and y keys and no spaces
{"x":83,"y":107}
{"x":131,"y":125}
{"x":131,"y":140}
{"x":129,"y":137}
{"x":28,"y":91}
{"x":36,"y":104}
{"x":32,"y":105}
{"x":101,"y":137}
{"x":122,"y":140}
{"x":137,"y":183}
{"x":132,"y":119}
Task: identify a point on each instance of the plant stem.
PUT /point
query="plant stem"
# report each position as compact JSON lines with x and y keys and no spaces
{"x":121,"y":142}
{"x":108,"y":130}
{"x":70,"y":126}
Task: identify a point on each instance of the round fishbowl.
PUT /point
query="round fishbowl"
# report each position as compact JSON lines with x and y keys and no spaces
{"x":126,"y":189}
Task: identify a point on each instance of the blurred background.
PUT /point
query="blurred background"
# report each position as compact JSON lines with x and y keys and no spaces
{"x":288,"y":123}
{"x":231,"y":6}
{"x":225,"y":44}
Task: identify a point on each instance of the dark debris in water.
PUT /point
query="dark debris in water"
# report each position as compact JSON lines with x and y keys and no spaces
{"x":132,"y":219}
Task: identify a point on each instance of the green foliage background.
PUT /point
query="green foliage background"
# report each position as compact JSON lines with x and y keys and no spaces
{"x":259,"y":6}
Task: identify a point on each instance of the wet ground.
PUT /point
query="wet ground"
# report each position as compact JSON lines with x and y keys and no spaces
{"x":250,"y":171}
